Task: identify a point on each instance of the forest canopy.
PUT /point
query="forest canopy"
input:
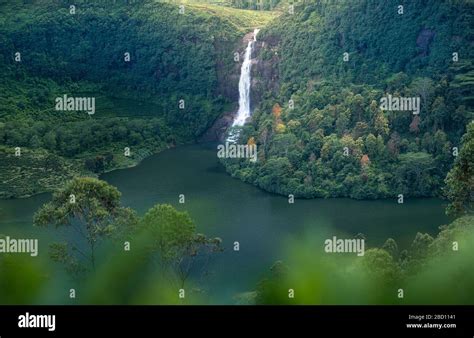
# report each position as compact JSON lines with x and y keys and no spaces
{"x":181,"y":65}
{"x":320,"y":77}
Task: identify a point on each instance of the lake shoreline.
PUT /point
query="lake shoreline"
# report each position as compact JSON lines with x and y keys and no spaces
{"x":138,"y":161}
{"x":263,"y":224}
{"x":133,"y":163}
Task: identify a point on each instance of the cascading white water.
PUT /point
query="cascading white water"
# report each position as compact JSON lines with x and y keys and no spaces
{"x":244,"y":84}
{"x":244,"y":89}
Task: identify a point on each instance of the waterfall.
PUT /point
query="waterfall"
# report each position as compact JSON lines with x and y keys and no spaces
{"x":244,"y":90}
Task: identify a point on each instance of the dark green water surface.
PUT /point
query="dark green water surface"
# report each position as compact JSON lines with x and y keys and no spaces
{"x":262,"y":223}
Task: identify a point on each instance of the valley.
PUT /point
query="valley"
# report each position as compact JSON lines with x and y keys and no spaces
{"x":226,"y":152}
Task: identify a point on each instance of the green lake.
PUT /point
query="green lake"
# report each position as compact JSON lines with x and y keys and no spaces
{"x":261,"y":222}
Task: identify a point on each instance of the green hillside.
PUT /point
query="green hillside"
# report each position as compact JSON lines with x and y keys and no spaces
{"x":318,"y":124}
{"x":180,"y":64}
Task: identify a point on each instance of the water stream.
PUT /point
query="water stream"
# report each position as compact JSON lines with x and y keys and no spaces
{"x":244,"y":90}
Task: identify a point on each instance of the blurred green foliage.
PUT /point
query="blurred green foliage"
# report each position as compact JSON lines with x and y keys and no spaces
{"x":108,"y":254}
{"x":442,"y":274}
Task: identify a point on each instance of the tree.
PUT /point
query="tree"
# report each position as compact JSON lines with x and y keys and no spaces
{"x":360,"y":129}
{"x":424,"y":87}
{"x":364,"y":161}
{"x":414,"y":125}
{"x":275,"y":173}
{"x":280,"y":128}
{"x":380,"y":265}
{"x":271,"y":289}
{"x":342,"y":122}
{"x":90,"y":207}
{"x":49,"y":140}
{"x":438,"y":113}
{"x":397,"y":80}
{"x":420,"y":245}
{"x":416,"y":163}
{"x":371,"y":145}
{"x":35,"y":142}
{"x":381,"y":124}
{"x":96,"y":164}
{"x":276,"y":111}
{"x":283,"y":143}
{"x":460,"y":180}
{"x":391,"y":247}
{"x":393,"y":144}
{"x":174,"y":241}
{"x":251,"y":141}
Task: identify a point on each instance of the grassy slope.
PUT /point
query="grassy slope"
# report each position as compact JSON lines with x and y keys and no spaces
{"x":35,"y":171}
{"x":244,"y":20}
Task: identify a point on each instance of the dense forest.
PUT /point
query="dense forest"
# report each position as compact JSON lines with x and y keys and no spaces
{"x":146,"y":51}
{"x":320,"y":71}
{"x":318,"y":81}
{"x":319,"y":78}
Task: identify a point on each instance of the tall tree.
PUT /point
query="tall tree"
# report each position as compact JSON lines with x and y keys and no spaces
{"x":174,"y":242}
{"x":91,"y":208}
